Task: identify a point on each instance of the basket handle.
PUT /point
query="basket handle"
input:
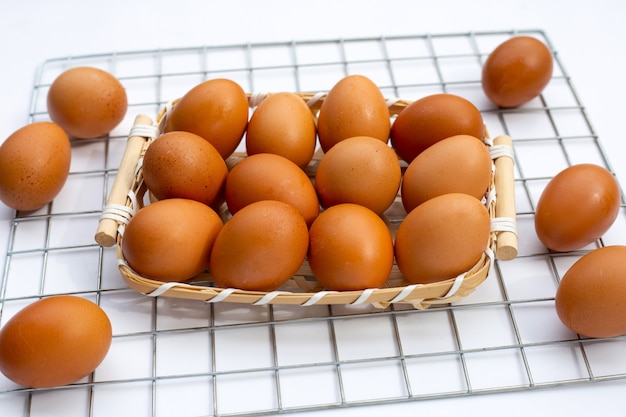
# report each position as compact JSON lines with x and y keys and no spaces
{"x":506,"y":243}
{"x":106,"y":233}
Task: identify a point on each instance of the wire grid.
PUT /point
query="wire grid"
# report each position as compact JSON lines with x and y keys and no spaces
{"x":180,"y":357}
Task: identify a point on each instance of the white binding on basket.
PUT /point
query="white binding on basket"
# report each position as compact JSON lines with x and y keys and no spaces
{"x":315,"y":298}
{"x":256,"y":98}
{"x":267,"y":298}
{"x":121,"y":213}
{"x":406,"y":291}
{"x":317,"y":97}
{"x":504,"y":224}
{"x":146,"y":131}
{"x":497,"y":151}
{"x":365,"y":294}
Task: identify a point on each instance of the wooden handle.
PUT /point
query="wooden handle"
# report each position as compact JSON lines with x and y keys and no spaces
{"x":106,"y":234}
{"x":506,"y":243}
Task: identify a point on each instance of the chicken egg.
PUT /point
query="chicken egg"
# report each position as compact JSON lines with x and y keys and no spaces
{"x":216,"y":110}
{"x":577,"y":207}
{"x":442,"y":238}
{"x":282,"y":124}
{"x":267,"y":176}
{"x":87,"y":102}
{"x":260,"y":247}
{"x":431,"y":119}
{"x":34,"y":165}
{"x":459,"y":163}
{"x":171,"y":240}
{"x":517,"y":71}
{"x":351,"y":248}
{"x":361,"y":170}
{"x":590,"y":297}
{"x":54,"y":341}
{"x":183,"y":165}
{"x":354,"y":106}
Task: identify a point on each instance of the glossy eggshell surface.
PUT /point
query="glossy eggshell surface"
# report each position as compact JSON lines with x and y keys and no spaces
{"x":260,"y":247}
{"x":354,"y":106}
{"x":590,"y":299}
{"x":282,"y":124}
{"x":430,"y":119}
{"x":34,"y":165}
{"x":361,"y":170}
{"x":216,"y":110}
{"x":442,"y":238}
{"x":87,"y":102}
{"x":517,"y":71}
{"x":54,"y":341}
{"x":171,"y":240}
{"x":350,"y":248}
{"x":184,"y":165}
{"x":459,"y":164}
{"x":577,"y":207}
{"x":268,"y":176}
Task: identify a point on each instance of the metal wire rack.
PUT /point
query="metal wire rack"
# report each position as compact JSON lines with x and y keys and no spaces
{"x":178,"y":357}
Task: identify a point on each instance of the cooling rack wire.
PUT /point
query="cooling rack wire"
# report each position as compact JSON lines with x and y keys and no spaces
{"x":183,"y":357}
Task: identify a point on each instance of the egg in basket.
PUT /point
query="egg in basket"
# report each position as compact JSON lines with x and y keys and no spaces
{"x":419,"y":220}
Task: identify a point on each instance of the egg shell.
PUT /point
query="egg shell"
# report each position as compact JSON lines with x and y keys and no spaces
{"x":268,"y":176}
{"x":183,"y":165}
{"x":354,"y":106}
{"x":87,"y":102}
{"x":590,"y":299}
{"x":458,"y":164}
{"x":351,"y":248}
{"x":54,"y":341}
{"x":216,"y":110}
{"x":260,"y":247}
{"x":430,"y":119}
{"x":284,"y":125}
{"x":517,"y":71}
{"x":34,"y":165}
{"x":577,"y":207}
{"x":171,"y":240}
{"x":361,"y":170}
{"x":442,"y":238}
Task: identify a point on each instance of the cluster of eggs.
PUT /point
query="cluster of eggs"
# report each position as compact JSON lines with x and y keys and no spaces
{"x":280,"y":216}
{"x":332,"y":215}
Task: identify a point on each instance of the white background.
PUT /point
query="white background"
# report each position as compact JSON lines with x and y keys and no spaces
{"x":589,"y":37}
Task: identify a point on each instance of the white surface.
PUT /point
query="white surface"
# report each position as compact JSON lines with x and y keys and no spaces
{"x":588,"y":37}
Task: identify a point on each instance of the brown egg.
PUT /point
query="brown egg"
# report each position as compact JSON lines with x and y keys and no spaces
{"x":34,"y":165}
{"x":350,"y":248}
{"x":431,"y":119}
{"x":442,"y":238}
{"x":284,"y":125}
{"x":171,"y":240}
{"x":458,"y":164}
{"x":54,"y":341}
{"x":577,"y":207}
{"x":590,"y":297}
{"x":354,"y":106}
{"x":216,"y":110}
{"x":267,"y":176}
{"x":184,"y":165}
{"x":361,"y":170}
{"x":87,"y":102}
{"x":260,"y":247}
{"x":517,"y":71}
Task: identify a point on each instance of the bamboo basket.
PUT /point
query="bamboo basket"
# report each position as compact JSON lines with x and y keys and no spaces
{"x":128,"y":195}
